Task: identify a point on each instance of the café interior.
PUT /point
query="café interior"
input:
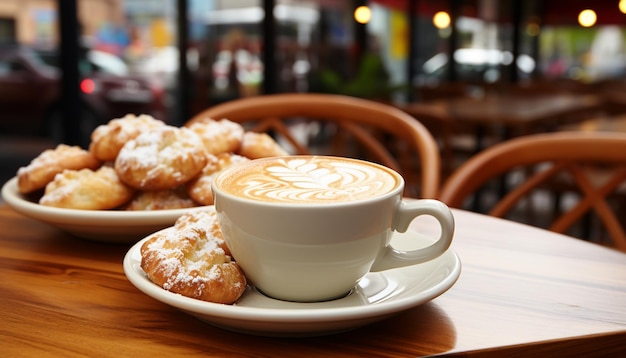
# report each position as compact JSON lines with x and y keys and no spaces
{"x":512,"y":113}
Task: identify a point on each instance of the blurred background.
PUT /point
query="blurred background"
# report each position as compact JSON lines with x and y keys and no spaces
{"x":69,"y":65}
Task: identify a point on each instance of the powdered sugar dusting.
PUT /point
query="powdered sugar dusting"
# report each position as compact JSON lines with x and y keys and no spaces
{"x":190,"y":255}
{"x":60,"y":188}
{"x":162,"y":157}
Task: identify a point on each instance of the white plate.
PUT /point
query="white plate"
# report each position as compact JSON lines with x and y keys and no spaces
{"x":377,"y":296}
{"x":100,"y":225}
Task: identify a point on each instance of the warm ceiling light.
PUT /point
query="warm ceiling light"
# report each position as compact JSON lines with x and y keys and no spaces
{"x":587,"y":18}
{"x":533,"y":29}
{"x":441,"y":20}
{"x":622,"y":6}
{"x":362,"y":14}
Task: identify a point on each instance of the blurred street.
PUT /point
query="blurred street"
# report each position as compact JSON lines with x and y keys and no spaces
{"x":18,"y":151}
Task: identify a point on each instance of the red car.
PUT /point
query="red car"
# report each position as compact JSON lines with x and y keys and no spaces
{"x":30,"y":93}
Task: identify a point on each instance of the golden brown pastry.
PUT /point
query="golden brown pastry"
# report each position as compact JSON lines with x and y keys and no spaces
{"x":221,"y":136}
{"x":260,"y":145}
{"x":205,"y":221}
{"x":86,"y":189}
{"x":51,"y":162}
{"x":176,"y":198}
{"x":108,"y":139}
{"x":162,"y":158}
{"x":162,"y":166}
{"x":199,"y":189}
{"x":191,"y":261}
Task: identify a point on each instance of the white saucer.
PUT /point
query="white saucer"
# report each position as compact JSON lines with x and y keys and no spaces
{"x":378,"y":296}
{"x":116,"y":226}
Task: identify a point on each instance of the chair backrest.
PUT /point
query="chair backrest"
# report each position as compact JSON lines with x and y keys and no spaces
{"x":590,"y":164}
{"x":345,"y":126}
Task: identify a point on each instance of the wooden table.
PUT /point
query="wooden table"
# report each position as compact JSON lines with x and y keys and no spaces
{"x":512,"y":115}
{"x":494,"y":118}
{"x":519,"y":111}
{"x":615,"y":123}
{"x":522,"y":291}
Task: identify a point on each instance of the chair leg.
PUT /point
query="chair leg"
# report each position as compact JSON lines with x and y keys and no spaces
{"x":586,"y":224}
{"x":556,"y":203}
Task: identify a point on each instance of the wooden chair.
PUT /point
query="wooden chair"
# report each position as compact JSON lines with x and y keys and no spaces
{"x":344,"y":126}
{"x":593,"y":165}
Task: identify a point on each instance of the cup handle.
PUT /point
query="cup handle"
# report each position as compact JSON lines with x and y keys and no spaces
{"x":406,"y":212}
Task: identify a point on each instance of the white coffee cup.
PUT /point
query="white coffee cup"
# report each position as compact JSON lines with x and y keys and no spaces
{"x":307,"y":228}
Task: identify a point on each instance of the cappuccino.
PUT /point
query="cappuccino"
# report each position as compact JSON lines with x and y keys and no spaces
{"x":306,"y":179}
{"x":307,"y":228}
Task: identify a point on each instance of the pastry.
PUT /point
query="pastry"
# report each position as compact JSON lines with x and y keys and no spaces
{"x":86,"y":189}
{"x":51,"y":162}
{"x":190,"y":261}
{"x":108,"y":139}
{"x":175,"y":198}
{"x":162,"y":158}
{"x":221,"y":136}
{"x":199,"y":189}
{"x":260,"y":145}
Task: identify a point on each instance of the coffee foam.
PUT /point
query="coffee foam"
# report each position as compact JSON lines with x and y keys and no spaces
{"x":307,"y":179}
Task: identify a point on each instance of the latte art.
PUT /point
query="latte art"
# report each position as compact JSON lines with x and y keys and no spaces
{"x":309,"y":179}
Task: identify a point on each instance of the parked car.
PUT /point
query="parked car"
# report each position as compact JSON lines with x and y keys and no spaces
{"x":30,"y":92}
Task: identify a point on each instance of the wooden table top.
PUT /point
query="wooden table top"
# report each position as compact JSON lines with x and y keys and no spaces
{"x":522,"y":290}
{"x":615,"y":123}
{"x":509,"y":110}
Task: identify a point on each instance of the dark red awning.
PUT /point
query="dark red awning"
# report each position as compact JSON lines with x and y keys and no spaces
{"x":554,"y":12}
